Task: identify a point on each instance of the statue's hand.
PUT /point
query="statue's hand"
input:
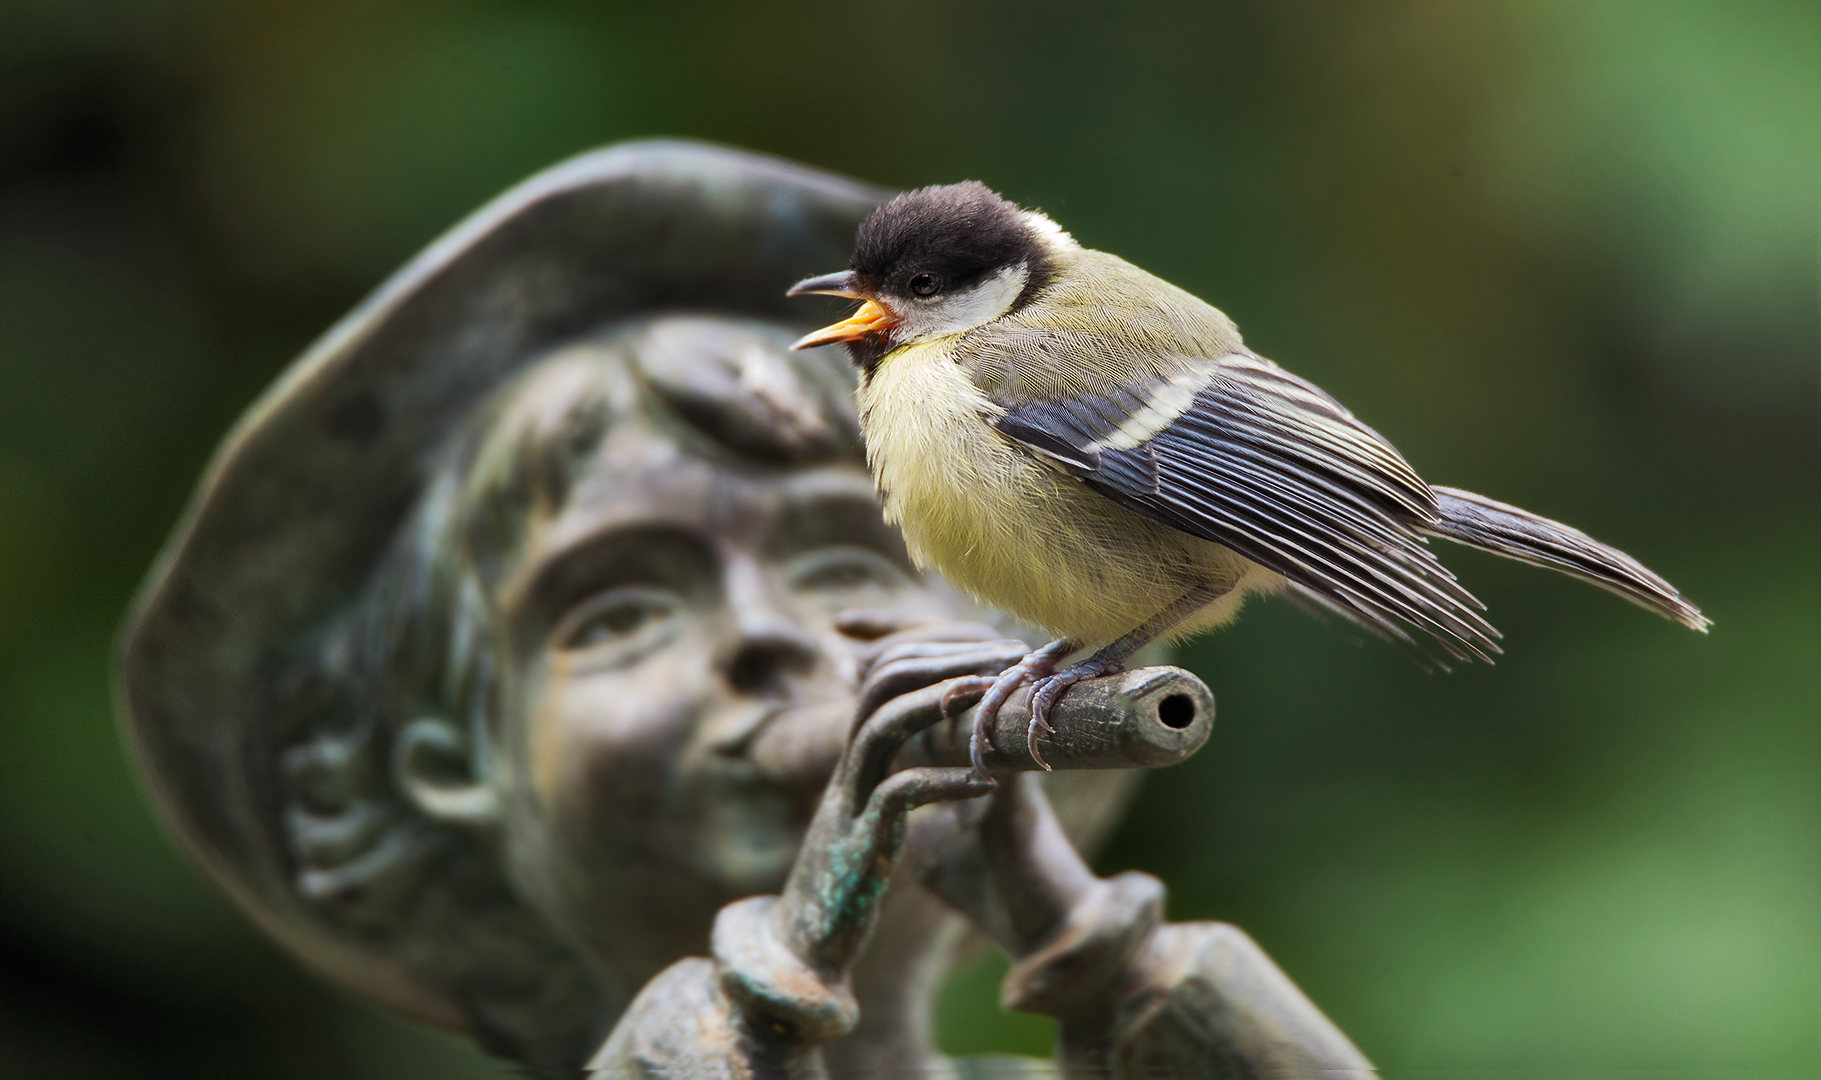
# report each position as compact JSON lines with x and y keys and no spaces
{"x":785,"y":959}
{"x":831,"y":900}
{"x":1003,"y":862}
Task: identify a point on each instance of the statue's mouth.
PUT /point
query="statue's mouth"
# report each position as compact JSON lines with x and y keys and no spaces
{"x":800,"y":744}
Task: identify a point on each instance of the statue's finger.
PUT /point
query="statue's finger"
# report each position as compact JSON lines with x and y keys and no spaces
{"x":884,"y":730}
{"x":868,"y":624}
{"x":916,"y":665}
{"x":904,"y":791}
{"x":870,"y":652}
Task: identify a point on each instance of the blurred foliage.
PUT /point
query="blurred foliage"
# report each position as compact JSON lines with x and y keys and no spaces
{"x":1564,"y":253}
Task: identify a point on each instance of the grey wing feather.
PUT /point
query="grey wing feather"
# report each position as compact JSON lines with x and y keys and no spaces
{"x":1502,"y":529}
{"x":1053,"y":433}
{"x":1269,"y":466}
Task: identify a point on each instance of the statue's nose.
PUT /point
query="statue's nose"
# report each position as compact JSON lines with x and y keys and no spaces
{"x":766,"y":659}
{"x":768,"y":646}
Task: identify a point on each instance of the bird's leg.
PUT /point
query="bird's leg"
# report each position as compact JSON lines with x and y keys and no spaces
{"x":1035,"y":665}
{"x":1108,"y":660}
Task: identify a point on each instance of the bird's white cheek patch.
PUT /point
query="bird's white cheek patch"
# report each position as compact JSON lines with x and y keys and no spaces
{"x":1163,"y":403}
{"x":965,"y":310}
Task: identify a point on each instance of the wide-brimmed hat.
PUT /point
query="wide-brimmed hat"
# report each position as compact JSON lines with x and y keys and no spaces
{"x":309,"y":488}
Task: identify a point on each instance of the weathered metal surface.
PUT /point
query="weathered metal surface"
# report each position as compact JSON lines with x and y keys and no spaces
{"x":1147,"y":718}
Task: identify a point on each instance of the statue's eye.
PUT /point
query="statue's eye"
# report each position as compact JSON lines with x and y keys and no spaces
{"x":925,"y":285}
{"x":845,"y":570}
{"x":620,"y":615}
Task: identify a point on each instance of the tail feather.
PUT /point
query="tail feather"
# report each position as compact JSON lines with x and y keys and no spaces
{"x":1479,"y":522}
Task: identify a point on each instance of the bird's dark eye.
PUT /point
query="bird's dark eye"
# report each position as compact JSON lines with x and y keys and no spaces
{"x":925,"y":285}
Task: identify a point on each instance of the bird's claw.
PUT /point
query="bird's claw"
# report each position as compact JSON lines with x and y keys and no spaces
{"x":1049,"y":690}
{"x":1040,"y":726}
{"x":1037,"y":665}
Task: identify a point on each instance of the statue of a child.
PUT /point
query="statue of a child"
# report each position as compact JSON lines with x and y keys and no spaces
{"x":533,"y":659}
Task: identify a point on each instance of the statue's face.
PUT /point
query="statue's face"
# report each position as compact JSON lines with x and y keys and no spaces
{"x":671,"y":616}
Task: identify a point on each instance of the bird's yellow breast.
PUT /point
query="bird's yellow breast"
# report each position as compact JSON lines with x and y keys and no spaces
{"x":1019,"y":534}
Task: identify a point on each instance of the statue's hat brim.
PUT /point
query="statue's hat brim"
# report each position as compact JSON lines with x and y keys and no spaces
{"x":309,"y":487}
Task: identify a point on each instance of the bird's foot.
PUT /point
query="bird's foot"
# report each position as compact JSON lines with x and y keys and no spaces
{"x":1049,"y":690}
{"x":962,"y":691}
{"x":1039,"y":664}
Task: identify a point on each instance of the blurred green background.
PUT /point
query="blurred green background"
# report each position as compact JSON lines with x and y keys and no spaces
{"x":1560,"y":252}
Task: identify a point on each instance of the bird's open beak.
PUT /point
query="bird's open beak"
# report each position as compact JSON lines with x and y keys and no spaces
{"x":873,"y":317}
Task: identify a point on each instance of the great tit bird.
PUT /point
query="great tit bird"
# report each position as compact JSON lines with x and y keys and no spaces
{"x":1096,"y":451}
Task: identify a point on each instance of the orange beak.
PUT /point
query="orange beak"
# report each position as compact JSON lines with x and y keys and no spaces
{"x":872,"y":318}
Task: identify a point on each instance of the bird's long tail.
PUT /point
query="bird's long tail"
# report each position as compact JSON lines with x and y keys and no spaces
{"x":1479,"y":522}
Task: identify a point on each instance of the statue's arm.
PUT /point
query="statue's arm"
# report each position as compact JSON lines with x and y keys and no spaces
{"x":776,"y":988}
{"x":1133,"y":995}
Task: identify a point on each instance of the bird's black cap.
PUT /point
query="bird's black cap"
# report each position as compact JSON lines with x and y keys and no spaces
{"x":963,"y":233}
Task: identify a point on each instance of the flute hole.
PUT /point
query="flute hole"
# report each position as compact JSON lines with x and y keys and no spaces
{"x":1176,"y":711}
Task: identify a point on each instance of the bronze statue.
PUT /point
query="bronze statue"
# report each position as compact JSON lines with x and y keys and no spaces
{"x":534,"y":661}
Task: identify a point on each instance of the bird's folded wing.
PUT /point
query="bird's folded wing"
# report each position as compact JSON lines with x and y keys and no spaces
{"x":1241,"y":452}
